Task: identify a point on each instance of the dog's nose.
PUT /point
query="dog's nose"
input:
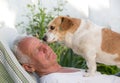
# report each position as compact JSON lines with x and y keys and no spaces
{"x":44,"y":38}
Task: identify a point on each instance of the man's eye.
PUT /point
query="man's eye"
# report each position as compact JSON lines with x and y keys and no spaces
{"x":52,"y":27}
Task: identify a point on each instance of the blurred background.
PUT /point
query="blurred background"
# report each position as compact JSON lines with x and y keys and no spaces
{"x":102,"y":12}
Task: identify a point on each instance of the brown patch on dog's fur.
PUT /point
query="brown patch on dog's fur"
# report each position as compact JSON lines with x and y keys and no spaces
{"x":111,"y":42}
{"x":66,"y":23}
{"x":69,"y":24}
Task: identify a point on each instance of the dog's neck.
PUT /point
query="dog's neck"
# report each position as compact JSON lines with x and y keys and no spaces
{"x":67,"y":40}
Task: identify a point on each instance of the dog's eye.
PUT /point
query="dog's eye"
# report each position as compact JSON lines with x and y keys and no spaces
{"x":52,"y":27}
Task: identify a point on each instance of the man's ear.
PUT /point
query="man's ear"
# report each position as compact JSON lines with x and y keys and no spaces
{"x":66,"y":23}
{"x":28,"y":67}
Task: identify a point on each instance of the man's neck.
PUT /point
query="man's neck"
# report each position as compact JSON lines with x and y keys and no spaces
{"x":52,"y":69}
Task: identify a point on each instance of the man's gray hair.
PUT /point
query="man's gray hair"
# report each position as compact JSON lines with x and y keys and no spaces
{"x":22,"y":58}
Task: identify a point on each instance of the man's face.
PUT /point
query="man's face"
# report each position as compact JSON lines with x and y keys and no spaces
{"x":40,"y":54}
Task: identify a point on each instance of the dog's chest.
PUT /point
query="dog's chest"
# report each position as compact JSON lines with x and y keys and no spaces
{"x":78,"y":46}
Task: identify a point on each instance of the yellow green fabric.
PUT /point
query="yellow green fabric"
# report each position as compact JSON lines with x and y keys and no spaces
{"x":4,"y":76}
{"x":12,"y":66}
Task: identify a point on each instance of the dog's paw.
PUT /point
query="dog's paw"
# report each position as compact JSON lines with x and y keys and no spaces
{"x":88,"y":74}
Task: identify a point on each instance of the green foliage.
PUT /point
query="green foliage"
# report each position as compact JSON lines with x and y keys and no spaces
{"x":38,"y":21}
{"x":70,"y":59}
{"x":107,"y":69}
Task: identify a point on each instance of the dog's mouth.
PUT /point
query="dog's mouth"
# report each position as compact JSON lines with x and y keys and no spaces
{"x":49,"y":38}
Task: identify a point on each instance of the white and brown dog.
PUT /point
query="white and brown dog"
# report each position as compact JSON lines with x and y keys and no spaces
{"x":92,"y":42}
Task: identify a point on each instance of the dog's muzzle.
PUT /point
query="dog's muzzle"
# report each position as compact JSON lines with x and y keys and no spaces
{"x":44,"y":38}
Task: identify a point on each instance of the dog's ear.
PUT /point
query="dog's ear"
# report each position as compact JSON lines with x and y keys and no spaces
{"x":66,"y":23}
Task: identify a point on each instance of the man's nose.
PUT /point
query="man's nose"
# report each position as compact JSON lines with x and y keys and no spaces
{"x":44,"y":38}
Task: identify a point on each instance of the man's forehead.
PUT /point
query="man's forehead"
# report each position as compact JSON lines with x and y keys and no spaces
{"x":27,"y":44}
{"x":30,"y":39}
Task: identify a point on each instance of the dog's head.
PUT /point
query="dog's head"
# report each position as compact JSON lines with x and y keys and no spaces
{"x":58,"y":28}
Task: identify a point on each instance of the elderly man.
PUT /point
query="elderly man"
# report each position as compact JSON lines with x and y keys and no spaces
{"x":38,"y":57}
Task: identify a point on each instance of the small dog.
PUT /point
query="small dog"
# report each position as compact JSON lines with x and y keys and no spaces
{"x":92,"y":42}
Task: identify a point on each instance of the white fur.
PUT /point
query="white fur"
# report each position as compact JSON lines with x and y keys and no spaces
{"x":86,"y":41}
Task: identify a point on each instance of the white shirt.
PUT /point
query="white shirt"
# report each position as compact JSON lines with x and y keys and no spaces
{"x":77,"y":77}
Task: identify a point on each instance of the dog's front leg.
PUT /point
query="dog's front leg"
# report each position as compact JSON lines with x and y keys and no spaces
{"x":91,"y":64}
